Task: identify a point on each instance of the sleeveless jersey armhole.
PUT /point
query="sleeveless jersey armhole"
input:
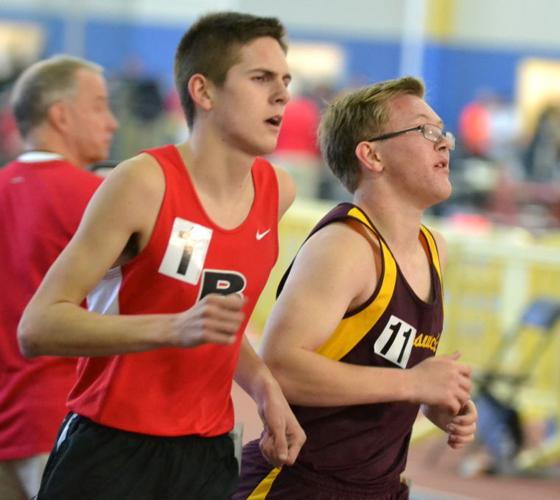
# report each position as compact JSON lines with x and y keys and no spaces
{"x":370,"y":234}
{"x":430,"y":245}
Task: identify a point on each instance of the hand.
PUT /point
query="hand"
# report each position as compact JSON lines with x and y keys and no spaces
{"x":462,"y":427}
{"x":215,"y":319}
{"x":282,"y":437}
{"x":441,"y":381}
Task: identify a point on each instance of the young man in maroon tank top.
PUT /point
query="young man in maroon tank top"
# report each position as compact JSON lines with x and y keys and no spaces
{"x":356,"y":363}
{"x":173,"y":252}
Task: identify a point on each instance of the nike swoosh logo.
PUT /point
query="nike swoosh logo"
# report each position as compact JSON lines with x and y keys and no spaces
{"x":260,"y":235}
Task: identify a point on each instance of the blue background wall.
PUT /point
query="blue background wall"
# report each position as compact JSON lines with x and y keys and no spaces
{"x":454,"y":72}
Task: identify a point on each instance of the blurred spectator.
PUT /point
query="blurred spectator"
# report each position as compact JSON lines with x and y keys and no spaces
{"x":474,"y":128}
{"x":542,"y":161}
{"x":140,"y":106}
{"x":329,"y":186}
{"x":61,"y":109}
{"x":297,"y":150}
{"x":179,"y":131}
{"x":484,"y":179}
{"x":489,"y":127}
{"x":505,"y":135}
{"x":298,"y":133}
{"x":10,"y":143}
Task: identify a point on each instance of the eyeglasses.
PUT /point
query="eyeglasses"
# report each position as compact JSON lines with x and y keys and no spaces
{"x":431,"y":132}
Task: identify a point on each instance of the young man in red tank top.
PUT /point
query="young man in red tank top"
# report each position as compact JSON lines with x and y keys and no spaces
{"x":356,"y":363}
{"x":172,"y":253}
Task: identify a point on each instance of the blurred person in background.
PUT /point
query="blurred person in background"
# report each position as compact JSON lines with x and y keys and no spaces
{"x":356,"y":365}
{"x":10,"y":140}
{"x":297,"y":151}
{"x":490,"y":128}
{"x":140,"y":104}
{"x":61,"y":109}
{"x":172,"y":253}
{"x":542,"y":159}
{"x":474,"y":128}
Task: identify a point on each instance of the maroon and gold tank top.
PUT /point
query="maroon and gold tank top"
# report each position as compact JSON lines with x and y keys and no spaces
{"x":365,"y":446}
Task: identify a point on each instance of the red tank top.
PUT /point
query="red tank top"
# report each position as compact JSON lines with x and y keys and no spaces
{"x":41,"y":203}
{"x":173,"y":391}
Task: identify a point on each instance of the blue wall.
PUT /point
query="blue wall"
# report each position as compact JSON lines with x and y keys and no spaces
{"x":114,"y":44}
{"x":366,"y":60}
{"x":453,"y":74}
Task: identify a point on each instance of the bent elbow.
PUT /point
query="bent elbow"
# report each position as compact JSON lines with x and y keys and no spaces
{"x":285,"y":378}
{"x":27,"y":337}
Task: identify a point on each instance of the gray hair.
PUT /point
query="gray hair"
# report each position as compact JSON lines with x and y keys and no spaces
{"x":41,"y":85}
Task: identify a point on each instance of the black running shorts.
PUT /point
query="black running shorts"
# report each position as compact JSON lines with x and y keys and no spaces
{"x":94,"y":462}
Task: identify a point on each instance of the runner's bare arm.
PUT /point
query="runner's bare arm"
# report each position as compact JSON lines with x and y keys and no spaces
{"x":335,"y":272}
{"x":53,"y":323}
{"x":286,"y":191}
{"x":283,"y":437}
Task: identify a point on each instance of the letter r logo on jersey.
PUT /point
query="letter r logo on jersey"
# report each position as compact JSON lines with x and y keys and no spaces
{"x":222,"y":282}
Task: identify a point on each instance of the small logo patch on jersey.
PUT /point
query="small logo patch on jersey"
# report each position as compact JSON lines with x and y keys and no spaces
{"x":260,"y":235}
{"x":186,"y":251}
{"x":395,"y":341}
